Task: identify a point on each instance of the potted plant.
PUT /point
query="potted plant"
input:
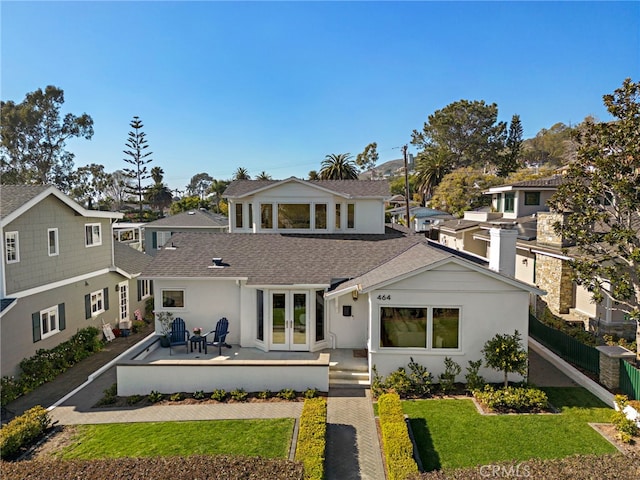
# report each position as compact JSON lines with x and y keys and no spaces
{"x":197,"y":331}
{"x":165,"y":319}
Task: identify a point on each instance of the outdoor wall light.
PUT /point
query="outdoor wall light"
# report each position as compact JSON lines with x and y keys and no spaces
{"x":354,"y":295}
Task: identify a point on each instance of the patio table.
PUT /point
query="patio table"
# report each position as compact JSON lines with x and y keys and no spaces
{"x":199,"y":341}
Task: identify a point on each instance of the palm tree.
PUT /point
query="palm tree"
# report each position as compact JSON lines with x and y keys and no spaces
{"x":241,"y":174}
{"x":158,"y":195}
{"x":339,"y":167}
{"x":157,"y":174}
{"x":432,"y":166}
{"x":217,"y":188}
{"x":264,"y":176}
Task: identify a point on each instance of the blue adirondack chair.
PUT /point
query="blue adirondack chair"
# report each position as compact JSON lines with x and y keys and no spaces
{"x":179,"y":335}
{"x":220,"y":335}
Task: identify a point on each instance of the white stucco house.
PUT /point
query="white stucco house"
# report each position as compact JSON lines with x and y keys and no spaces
{"x":309,"y":266}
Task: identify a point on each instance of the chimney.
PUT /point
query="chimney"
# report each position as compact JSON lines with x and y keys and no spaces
{"x":502,"y":248}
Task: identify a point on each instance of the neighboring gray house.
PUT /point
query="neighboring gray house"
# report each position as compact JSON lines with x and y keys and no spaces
{"x":60,"y":272}
{"x":158,"y":233}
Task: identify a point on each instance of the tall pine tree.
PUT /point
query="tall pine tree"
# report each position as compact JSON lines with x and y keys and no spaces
{"x":509,"y":162}
{"x":138,"y":157}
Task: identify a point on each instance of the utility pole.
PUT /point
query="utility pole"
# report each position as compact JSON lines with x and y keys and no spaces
{"x":406,"y":183}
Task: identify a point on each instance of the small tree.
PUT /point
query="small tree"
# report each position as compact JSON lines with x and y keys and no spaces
{"x":368,"y":158}
{"x":506,"y":353}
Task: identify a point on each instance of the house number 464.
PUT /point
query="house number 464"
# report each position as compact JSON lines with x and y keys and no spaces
{"x":384,"y":297}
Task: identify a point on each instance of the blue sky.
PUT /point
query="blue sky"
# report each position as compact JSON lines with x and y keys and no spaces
{"x":276,"y":86}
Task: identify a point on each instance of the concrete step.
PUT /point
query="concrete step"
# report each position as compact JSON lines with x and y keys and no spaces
{"x":343,"y":383}
{"x":348,"y":379}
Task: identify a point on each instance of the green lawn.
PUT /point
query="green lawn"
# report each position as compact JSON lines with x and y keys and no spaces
{"x":264,"y":438}
{"x":452,"y":434}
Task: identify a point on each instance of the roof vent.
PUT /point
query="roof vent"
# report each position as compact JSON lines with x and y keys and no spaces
{"x":217,"y":263}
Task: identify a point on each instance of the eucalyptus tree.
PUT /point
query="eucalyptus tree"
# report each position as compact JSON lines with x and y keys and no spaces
{"x":199,"y":184}
{"x":34,"y":135}
{"x":338,"y":167}
{"x":366,"y":160}
{"x":138,"y":157}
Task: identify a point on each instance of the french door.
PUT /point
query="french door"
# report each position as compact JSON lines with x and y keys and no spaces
{"x":123,"y":291}
{"x":290,"y":320}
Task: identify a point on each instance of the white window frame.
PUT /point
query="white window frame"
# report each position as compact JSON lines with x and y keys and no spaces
{"x":162,"y":237}
{"x":45,"y":321}
{"x":184,"y":298}
{"x":145,"y":288}
{"x":90,"y":234}
{"x":56,"y":247}
{"x":15,"y":238}
{"x":97,"y":302}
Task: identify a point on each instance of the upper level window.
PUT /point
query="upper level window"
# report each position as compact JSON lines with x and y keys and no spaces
{"x":12,"y":247}
{"x":266,"y":215}
{"x":52,"y":238}
{"x":97,"y":302}
{"x":338,"y":211}
{"x":173,"y":298}
{"x":162,"y":238}
{"x":92,"y":234}
{"x":294,"y":216}
{"x":320,"y":216}
{"x":239,"y":215}
{"x":532,"y":198}
{"x":351,"y":215}
{"x":509,"y":202}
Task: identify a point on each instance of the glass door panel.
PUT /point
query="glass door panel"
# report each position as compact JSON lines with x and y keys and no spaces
{"x":278,"y":319}
{"x":300,"y":319}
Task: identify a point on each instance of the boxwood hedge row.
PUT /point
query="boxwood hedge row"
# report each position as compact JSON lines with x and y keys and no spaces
{"x":397,"y":446}
{"x":310,"y":449}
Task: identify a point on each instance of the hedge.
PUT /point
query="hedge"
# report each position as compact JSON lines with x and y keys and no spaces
{"x":23,"y":430}
{"x":397,"y":446}
{"x":46,"y":365}
{"x":310,"y":449}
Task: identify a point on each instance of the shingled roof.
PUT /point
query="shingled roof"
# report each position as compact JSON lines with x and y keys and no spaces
{"x":129,"y":259}
{"x":14,"y":196}
{"x":348,"y":188}
{"x":276,"y":259}
{"x":193,"y":219}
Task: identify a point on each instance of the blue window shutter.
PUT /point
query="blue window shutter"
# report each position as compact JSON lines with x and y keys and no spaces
{"x":139,"y":284}
{"x":35,"y":321}
{"x":154,"y":240}
{"x":151,"y":287}
{"x":105,"y":294}
{"x":87,"y":307}
{"x":62,"y":322}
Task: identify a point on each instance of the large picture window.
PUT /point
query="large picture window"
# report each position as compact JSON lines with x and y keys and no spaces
{"x":294,"y":216}
{"x":411,"y":327}
{"x":173,"y":298}
{"x":92,"y":234}
{"x":532,"y":198}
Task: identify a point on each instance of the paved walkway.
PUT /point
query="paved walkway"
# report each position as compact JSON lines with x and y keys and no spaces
{"x":353,"y":451}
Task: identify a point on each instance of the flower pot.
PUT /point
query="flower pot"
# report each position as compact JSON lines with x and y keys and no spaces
{"x":164,"y":341}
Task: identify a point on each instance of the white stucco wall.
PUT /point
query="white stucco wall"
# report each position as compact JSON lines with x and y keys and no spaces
{"x":487,"y":306}
{"x":348,"y":332}
{"x":205,"y":303}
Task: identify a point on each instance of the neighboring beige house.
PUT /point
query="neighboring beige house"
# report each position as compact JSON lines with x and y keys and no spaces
{"x":309,"y":266}
{"x":158,"y":232}
{"x":60,"y":272}
{"x":541,"y":256}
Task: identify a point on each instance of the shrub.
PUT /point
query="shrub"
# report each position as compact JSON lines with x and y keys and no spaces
{"x":312,"y":438}
{"x":398,"y":381}
{"x":627,"y":428}
{"x":287,"y":394}
{"x":474,"y":380}
{"x":238,"y":395}
{"x":110,"y":395}
{"x":448,"y":377}
{"x":513,"y":399}
{"x":138,"y":326}
{"x":507,"y":354}
{"x":310,"y":393}
{"x":421,"y":379}
{"x":199,"y":395}
{"x":397,"y":446}
{"x":133,"y":399}
{"x":219,"y":395}
{"x":176,"y":397}
{"x":264,"y":395}
{"x":23,"y":430}
{"x":155,"y":396}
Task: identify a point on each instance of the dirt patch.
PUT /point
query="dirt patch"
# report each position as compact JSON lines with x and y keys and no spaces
{"x":50,"y":446}
{"x":608,"y":431}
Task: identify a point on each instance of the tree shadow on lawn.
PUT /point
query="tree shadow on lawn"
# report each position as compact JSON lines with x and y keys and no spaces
{"x":426,"y":450}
